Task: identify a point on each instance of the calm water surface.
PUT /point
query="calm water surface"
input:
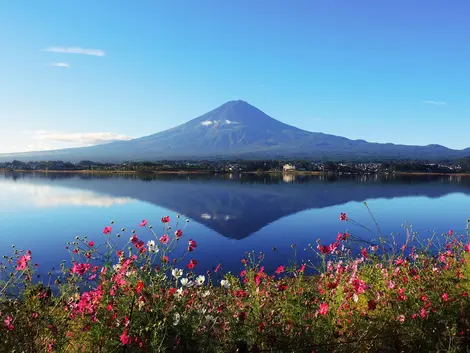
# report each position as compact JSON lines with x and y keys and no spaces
{"x":228,"y":214}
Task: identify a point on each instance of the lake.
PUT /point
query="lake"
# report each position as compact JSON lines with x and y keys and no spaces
{"x":228,"y":214}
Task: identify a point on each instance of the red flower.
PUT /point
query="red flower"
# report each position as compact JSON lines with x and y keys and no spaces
{"x":342,"y":236}
{"x":323,"y":310}
{"x":444,"y":297}
{"x":125,"y":338}
{"x":165,"y":259}
{"x":91,"y":244}
{"x":467,"y":247}
{"x":164,"y":239}
{"x":343,"y":217}
{"x":166,"y":219}
{"x":301,"y":269}
{"x":192,"y":263}
{"x":372,"y":304}
{"x":178,"y":234}
{"x":450,"y":232}
{"x":107,"y":230}
{"x":324,"y":249}
{"x":364,"y":253}
{"x":143,"y":223}
{"x":139,"y":287}
{"x":280,"y":269}
{"x":243,"y":273}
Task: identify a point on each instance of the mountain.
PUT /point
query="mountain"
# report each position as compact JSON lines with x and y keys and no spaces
{"x":236,"y":129}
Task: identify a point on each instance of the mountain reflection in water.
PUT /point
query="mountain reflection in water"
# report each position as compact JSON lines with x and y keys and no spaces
{"x":237,"y":206}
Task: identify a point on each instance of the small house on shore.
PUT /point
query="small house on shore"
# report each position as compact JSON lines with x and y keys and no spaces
{"x":288,"y":167}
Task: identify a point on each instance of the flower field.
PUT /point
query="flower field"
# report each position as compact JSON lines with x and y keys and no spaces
{"x":389,"y":296}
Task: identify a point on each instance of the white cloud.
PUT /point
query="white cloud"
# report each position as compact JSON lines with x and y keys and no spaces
{"x":79,"y":139}
{"x":435,"y":103}
{"x":47,"y":196}
{"x":207,"y":123}
{"x":63,"y":65}
{"x":76,"y":50}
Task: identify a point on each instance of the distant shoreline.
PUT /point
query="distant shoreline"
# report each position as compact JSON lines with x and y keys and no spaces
{"x":181,"y":172}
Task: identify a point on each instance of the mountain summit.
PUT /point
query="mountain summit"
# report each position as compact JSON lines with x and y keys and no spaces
{"x":237,"y":129}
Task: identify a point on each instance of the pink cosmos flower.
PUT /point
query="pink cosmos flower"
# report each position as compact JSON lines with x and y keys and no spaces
{"x":164,"y":239}
{"x":423,"y":313}
{"x":343,"y":217}
{"x":166,"y":219}
{"x":143,"y":223}
{"x":301,"y":269}
{"x":450,"y":232}
{"x":165,"y":259}
{"x":9,"y":323}
{"x":401,"y":318}
{"x":280,"y":269}
{"x":107,"y":230}
{"x":467,"y":247}
{"x":217,"y":269}
{"x":80,"y":269}
{"x":91,"y":244}
{"x":444,"y":297}
{"x":23,"y":261}
{"x":192,"y":245}
{"x":178,"y":234}
{"x":364,"y":253}
{"x":323,"y":310}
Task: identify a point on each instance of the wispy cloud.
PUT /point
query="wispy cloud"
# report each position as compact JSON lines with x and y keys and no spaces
{"x":63,"y":65}
{"x":79,"y":139}
{"x":435,"y":103}
{"x":76,"y":50}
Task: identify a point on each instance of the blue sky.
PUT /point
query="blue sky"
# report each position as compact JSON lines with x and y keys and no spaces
{"x":385,"y":71}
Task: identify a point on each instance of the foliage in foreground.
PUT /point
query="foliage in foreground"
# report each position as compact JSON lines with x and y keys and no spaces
{"x":140,"y":298}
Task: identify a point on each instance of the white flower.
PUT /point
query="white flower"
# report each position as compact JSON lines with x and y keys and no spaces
{"x":355,"y":297}
{"x":224,"y":283}
{"x":177,"y":273}
{"x":152,"y":247}
{"x":205,"y":294}
{"x":117,"y":267}
{"x":176,"y":319}
{"x":179,"y":292}
{"x":200,"y":280}
{"x":186,"y":282}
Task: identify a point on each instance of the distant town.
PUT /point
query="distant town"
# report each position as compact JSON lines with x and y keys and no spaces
{"x":268,"y":166}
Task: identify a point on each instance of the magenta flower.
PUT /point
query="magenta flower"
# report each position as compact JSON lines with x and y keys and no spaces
{"x":143,"y":223}
{"x":107,"y":230}
{"x":192,"y":245}
{"x":91,"y":244}
{"x":343,"y":217}
{"x":164,"y":239}
{"x":467,"y":247}
{"x":178,"y":234}
{"x":166,"y":219}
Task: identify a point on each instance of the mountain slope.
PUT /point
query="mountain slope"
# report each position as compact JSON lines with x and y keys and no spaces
{"x":236,"y":129}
